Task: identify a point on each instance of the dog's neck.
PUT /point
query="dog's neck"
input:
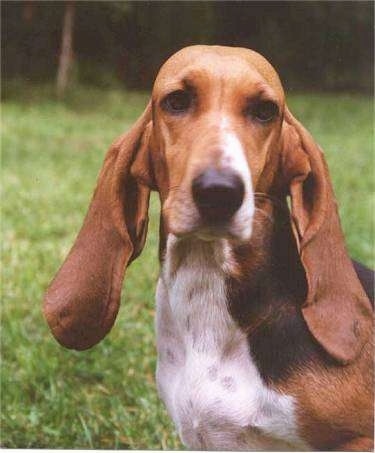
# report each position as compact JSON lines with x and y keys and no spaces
{"x":205,"y":363}
{"x":271,"y":251}
{"x":260,"y":285}
{"x":269,"y":270}
{"x":195,"y":274}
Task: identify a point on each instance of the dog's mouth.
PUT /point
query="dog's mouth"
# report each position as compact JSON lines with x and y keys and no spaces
{"x":209,"y":234}
{"x":215,"y":205}
{"x":189,"y":223}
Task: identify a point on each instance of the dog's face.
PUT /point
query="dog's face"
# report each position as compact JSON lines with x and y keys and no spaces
{"x":214,"y":131}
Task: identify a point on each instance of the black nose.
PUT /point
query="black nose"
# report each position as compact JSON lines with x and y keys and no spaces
{"x":218,"y":194}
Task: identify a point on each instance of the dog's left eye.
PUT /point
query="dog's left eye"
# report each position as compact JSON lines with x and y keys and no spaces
{"x":177,"y":102}
{"x":264,"y":111}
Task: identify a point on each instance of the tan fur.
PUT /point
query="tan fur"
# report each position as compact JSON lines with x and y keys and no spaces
{"x":165,"y":153}
{"x":336,"y":403}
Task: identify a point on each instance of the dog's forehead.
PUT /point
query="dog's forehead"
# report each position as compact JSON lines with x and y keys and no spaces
{"x":218,"y":59}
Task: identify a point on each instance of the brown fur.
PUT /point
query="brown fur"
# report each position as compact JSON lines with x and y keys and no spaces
{"x":335,"y":402}
{"x":293,"y":288}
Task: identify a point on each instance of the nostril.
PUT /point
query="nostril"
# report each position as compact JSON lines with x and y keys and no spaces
{"x":211,"y":195}
{"x":218,"y":193}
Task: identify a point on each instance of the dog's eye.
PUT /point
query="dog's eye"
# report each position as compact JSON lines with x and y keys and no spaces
{"x":264,"y":111}
{"x":177,"y":102}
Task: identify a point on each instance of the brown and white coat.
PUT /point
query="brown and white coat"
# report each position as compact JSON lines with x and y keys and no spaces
{"x":264,"y":330}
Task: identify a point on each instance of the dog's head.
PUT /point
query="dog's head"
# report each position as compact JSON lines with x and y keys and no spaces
{"x":215,"y":131}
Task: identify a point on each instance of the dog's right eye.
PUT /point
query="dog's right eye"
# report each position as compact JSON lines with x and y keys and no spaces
{"x":177,"y":102}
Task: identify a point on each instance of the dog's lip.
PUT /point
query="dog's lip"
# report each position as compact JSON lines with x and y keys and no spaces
{"x":208,"y":233}
{"x":211,"y":234}
{"x":195,"y":226}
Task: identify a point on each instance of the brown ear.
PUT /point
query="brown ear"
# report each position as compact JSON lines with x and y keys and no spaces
{"x":337,"y":310}
{"x":83,"y":299}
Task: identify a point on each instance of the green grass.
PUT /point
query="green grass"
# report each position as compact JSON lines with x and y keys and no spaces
{"x":52,"y":152}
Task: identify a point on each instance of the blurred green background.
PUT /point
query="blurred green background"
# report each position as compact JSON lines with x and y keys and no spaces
{"x":52,"y":149}
{"x":314,"y":45}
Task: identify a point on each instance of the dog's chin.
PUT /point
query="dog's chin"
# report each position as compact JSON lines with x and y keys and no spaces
{"x":232,"y":231}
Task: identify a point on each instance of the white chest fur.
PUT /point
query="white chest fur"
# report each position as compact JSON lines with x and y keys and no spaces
{"x":205,"y":375}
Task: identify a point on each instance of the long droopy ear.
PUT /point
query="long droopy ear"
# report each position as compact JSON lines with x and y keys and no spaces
{"x":337,"y":310}
{"x":83,"y":299}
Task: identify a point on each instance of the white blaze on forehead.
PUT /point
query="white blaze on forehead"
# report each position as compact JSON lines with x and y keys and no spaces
{"x":233,"y":154}
{"x":233,"y":157}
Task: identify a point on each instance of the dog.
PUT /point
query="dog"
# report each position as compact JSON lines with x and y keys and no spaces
{"x":264,"y":324}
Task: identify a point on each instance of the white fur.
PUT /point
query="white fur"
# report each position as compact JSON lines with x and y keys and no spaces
{"x":234,"y":157}
{"x":205,"y":374}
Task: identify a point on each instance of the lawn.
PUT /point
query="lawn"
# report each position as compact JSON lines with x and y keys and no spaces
{"x":51,"y":154}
